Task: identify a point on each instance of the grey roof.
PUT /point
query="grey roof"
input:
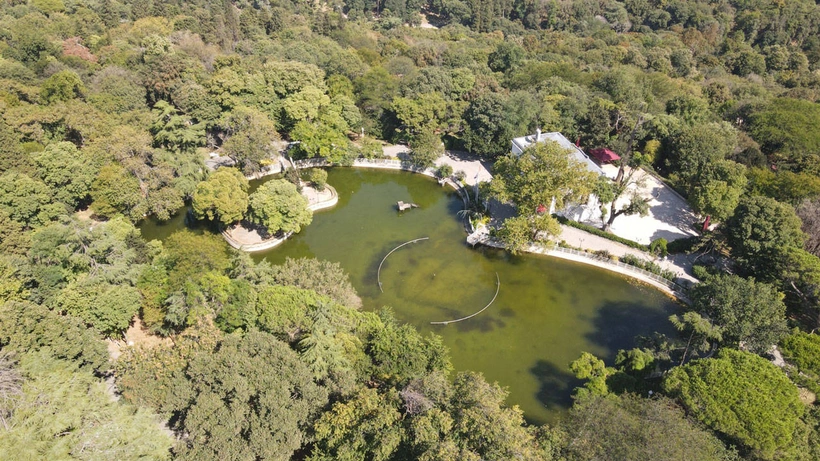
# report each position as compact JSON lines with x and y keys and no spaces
{"x":526,"y":141}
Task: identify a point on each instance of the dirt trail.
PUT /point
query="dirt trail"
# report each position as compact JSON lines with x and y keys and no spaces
{"x":135,"y":336}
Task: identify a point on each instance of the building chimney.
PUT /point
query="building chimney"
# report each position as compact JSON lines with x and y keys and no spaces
{"x":538,"y":134}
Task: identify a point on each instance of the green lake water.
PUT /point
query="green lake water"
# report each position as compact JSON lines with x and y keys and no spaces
{"x":547,"y":312}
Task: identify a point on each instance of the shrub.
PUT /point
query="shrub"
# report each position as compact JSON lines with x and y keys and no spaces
{"x":444,"y":171}
{"x":370,"y":148}
{"x":600,"y":233}
{"x":659,"y":247}
{"x":803,"y":350}
{"x":648,"y":266}
{"x":318,"y":177}
{"x":632,"y":260}
{"x":604,"y":254}
{"x":683,"y":245}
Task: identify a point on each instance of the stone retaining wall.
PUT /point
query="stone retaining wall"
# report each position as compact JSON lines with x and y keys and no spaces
{"x":656,"y":281}
{"x":254,"y":247}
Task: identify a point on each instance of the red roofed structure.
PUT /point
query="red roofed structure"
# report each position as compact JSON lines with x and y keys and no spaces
{"x":604,"y":155}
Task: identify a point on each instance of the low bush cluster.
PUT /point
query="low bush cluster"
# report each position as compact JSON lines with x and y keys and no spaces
{"x":648,"y":266}
{"x":594,"y":230}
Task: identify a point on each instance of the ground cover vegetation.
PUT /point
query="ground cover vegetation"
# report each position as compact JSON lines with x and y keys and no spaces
{"x":110,"y":108}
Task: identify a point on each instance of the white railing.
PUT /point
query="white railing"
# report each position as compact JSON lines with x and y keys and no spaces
{"x":362,"y":161}
{"x":603,"y":262}
{"x":381,"y":161}
{"x":607,"y":260}
{"x":311,"y":162}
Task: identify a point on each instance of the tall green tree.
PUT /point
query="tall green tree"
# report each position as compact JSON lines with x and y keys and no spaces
{"x":742,"y":396}
{"x":783,"y":185}
{"x":223,"y":197}
{"x":252,"y":396}
{"x":749,"y":314}
{"x":631,"y":427}
{"x":400,"y":353}
{"x":322,"y":140}
{"x":425,"y":148}
{"x":190,"y":256}
{"x":251,"y":138}
{"x":490,"y":126}
{"x":108,"y":308}
{"x":484,"y":425}
{"x":427,"y":111}
{"x":543,"y":173}
{"x":719,"y":187}
{"x":279,"y":206}
{"x":519,"y":232}
{"x":691,"y":151}
{"x":174,"y":131}
{"x":785,"y":132}
{"x":609,"y":191}
{"x":115,"y":191}
{"x":11,"y":154}
{"x":324,"y":277}
{"x":368,"y":426}
{"x":67,"y":170}
{"x":28,"y":327}
{"x":28,"y":201}
{"x":65,"y":413}
{"x":759,"y":230}
{"x":62,"y":86}
{"x":809,"y":214}
{"x":702,"y":333}
{"x":798,"y":274}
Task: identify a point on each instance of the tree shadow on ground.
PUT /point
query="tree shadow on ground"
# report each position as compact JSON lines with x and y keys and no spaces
{"x":674,"y":212}
{"x":555,"y":386}
{"x":618,"y":323}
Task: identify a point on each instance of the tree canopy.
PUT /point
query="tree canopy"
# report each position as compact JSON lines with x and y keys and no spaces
{"x":543,"y":173}
{"x":223,"y":197}
{"x":234,"y":390}
{"x":616,"y":428}
{"x":278,"y":206}
{"x":759,"y":230}
{"x":741,"y":396}
{"x":749,"y":314}
{"x":115,"y":105}
{"x":62,"y":413}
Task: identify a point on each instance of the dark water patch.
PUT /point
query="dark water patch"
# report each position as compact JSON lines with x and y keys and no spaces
{"x":555,"y":389}
{"x":506,"y":312}
{"x":616,"y":323}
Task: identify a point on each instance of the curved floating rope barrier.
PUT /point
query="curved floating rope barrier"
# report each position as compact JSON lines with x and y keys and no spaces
{"x":379,"y":272}
{"x":497,"y":289}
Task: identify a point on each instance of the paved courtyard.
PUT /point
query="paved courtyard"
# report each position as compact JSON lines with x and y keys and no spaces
{"x":475,"y":170}
{"x":670,"y":216}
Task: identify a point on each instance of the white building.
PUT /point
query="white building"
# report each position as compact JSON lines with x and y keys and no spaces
{"x":584,"y":212}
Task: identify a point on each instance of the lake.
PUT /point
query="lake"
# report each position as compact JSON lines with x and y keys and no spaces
{"x":547,"y":311}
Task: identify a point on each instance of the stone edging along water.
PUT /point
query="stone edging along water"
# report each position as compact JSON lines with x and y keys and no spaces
{"x":667,"y":286}
{"x":275,"y":242}
{"x":254,"y":247}
{"x":324,"y":204}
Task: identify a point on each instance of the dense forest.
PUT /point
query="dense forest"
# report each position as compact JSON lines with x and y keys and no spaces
{"x":108,"y":110}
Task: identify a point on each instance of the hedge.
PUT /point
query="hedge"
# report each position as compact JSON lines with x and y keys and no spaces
{"x":594,"y":230}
